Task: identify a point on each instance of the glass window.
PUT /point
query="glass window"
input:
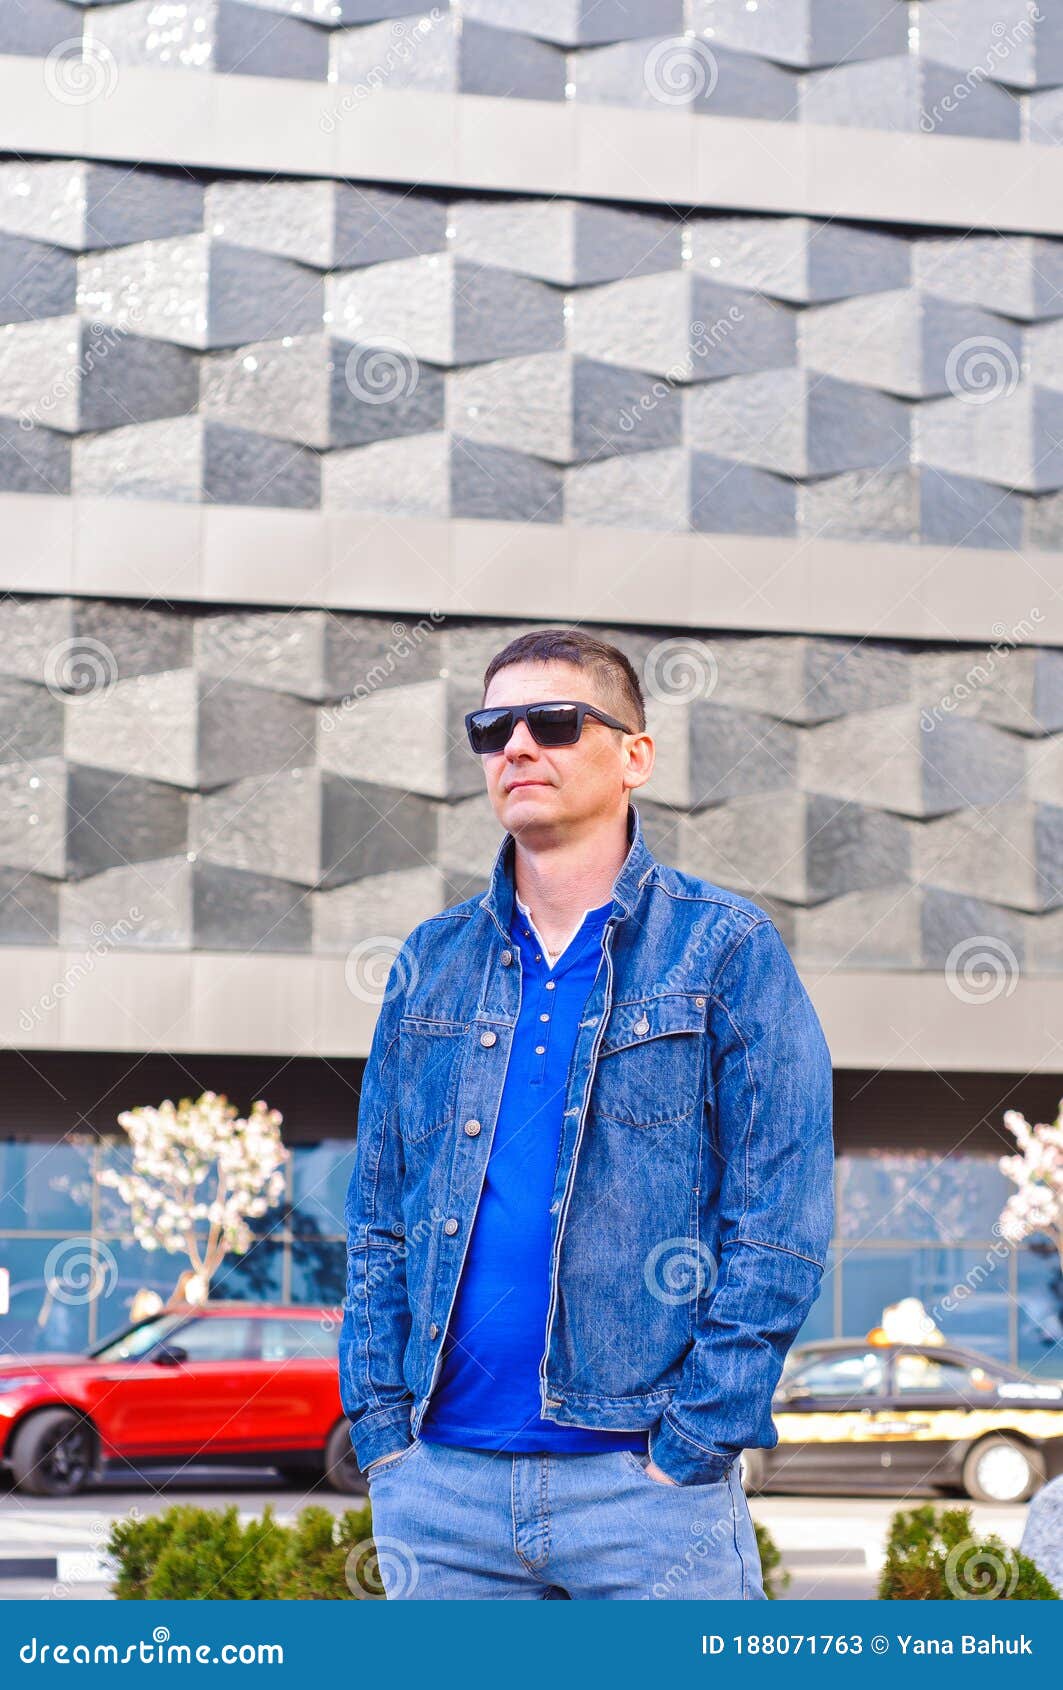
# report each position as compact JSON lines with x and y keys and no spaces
{"x":256,"y":1277}
{"x":130,"y":1269}
{"x":320,"y":1176}
{"x":1040,"y":1311}
{"x":889,"y":1194}
{"x":853,"y":1374}
{"x":297,"y":1340}
{"x":964,"y":1291}
{"x":137,"y":1340}
{"x":916,"y":1371}
{"x":49,"y":1299}
{"x":217,"y":1338}
{"x":319,"y":1271}
{"x":46,"y":1187}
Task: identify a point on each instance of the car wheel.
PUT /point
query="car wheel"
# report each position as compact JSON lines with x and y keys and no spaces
{"x":342,"y":1471}
{"x":1001,"y":1469}
{"x":53,"y":1454}
{"x":751,"y":1468}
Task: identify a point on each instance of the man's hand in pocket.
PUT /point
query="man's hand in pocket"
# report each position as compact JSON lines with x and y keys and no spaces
{"x":381,"y":1459}
{"x":654,"y":1472}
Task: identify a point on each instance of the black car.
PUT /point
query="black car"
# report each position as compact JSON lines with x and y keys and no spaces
{"x":855,"y":1414}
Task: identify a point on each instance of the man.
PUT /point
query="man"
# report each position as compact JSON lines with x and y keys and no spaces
{"x":592,"y":1192}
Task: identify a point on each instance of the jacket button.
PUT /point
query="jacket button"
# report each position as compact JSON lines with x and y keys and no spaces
{"x":488,"y":1038}
{"x":433,"y":1330}
{"x":450,"y":1226}
{"x":472,"y":1128}
{"x":506,"y":958}
{"x":700,"y":1002}
{"x":642,"y":1026}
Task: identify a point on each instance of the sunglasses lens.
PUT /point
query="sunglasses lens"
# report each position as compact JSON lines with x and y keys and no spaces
{"x":489,"y":730}
{"x":554,"y":724}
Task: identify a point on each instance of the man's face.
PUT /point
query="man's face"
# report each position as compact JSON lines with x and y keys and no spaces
{"x":537,"y":788}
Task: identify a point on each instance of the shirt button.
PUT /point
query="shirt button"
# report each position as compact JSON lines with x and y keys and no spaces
{"x":540,"y":1050}
{"x":506,"y":958}
{"x":450,"y":1227}
{"x":488,"y":1038}
{"x":544,"y":1016}
{"x":433,"y":1330}
{"x":472,"y":1128}
{"x":550,"y":984}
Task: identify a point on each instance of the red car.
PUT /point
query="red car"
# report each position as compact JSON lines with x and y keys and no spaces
{"x":229,"y":1383}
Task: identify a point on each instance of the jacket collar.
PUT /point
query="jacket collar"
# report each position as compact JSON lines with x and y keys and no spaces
{"x":499,"y":898}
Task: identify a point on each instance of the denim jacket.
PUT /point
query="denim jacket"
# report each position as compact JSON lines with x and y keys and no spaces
{"x":693,"y":1199}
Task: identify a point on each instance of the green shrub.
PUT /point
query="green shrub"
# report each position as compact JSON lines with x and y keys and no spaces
{"x":775,"y":1575}
{"x":204,"y":1553}
{"x":935,"y":1556}
{"x":199,"y":1553}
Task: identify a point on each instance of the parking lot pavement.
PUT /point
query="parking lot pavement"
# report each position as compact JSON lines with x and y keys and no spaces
{"x":831,"y":1546}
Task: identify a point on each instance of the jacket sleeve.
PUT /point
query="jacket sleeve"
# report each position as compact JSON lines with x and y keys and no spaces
{"x":771,"y":1103}
{"x":376,"y":1315}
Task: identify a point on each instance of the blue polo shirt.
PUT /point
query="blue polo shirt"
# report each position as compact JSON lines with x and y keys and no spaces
{"x":487,"y":1394}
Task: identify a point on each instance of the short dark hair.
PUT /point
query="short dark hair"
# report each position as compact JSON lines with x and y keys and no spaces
{"x":616,"y":680}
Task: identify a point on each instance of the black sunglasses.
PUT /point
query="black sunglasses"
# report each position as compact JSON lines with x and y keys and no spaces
{"x":559,"y":722}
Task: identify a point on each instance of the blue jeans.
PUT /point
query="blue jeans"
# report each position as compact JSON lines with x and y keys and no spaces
{"x":473,"y":1524}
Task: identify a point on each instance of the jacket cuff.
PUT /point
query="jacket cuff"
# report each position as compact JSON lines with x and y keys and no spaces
{"x":686,"y":1462}
{"x":380,"y":1433}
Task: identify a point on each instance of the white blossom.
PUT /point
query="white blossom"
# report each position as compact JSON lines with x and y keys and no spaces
{"x":199,"y":1162}
{"x":1037,"y":1172}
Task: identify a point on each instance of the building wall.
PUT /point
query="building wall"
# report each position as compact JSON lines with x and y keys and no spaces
{"x":340,"y":342}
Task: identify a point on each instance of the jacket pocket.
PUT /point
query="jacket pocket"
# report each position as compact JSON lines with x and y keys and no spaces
{"x":429,"y":1053}
{"x":650,"y":1062}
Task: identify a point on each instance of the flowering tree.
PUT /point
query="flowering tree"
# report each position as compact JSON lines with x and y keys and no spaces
{"x":199,"y":1175}
{"x":1037,"y":1170}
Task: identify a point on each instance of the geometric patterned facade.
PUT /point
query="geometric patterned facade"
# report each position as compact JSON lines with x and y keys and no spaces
{"x":883,"y":64}
{"x":267,"y":326}
{"x":295,"y":781}
{"x":221,"y":339}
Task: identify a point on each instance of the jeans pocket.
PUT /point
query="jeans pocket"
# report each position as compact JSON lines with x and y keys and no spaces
{"x":374,"y":1470}
{"x":641,"y":1461}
